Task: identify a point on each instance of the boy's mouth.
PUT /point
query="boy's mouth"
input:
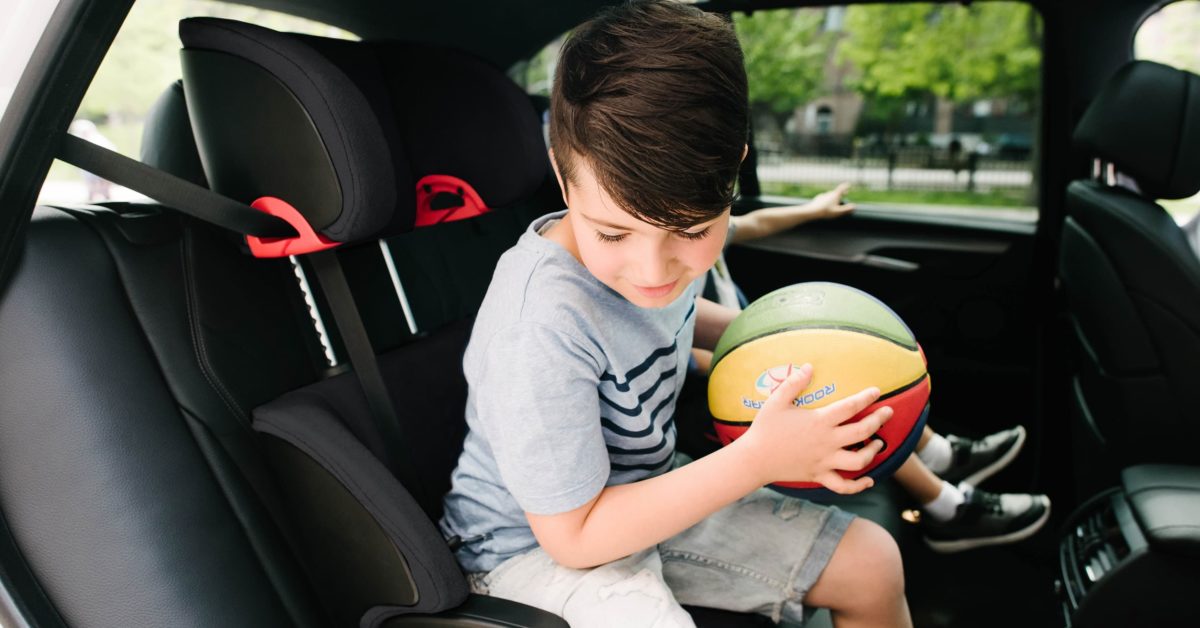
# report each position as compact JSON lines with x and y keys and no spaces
{"x":654,"y":292}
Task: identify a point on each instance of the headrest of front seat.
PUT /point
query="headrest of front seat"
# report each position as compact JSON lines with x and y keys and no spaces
{"x":1146,"y":121}
{"x":344,"y":131}
{"x":167,"y":142}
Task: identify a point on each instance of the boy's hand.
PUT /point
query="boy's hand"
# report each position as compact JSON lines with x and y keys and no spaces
{"x":829,"y":204}
{"x":792,"y":444}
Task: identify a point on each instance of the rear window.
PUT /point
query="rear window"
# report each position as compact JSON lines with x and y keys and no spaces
{"x":921,"y":107}
{"x":1168,"y":36}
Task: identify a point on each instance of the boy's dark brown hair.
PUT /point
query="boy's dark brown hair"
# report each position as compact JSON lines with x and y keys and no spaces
{"x":652,"y":96}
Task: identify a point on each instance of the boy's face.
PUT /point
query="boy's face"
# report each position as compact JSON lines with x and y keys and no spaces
{"x":648,"y":265}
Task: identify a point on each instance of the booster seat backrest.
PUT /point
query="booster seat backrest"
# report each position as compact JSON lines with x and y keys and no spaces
{"x":456,"y":137}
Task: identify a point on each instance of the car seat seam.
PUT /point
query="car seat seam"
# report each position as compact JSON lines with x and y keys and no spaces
{"x":198,"y":346}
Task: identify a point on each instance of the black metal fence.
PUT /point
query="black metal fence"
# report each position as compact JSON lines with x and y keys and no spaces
{"x":899,"y":168}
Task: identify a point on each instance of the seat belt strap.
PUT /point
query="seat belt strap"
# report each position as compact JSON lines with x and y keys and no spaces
{"x":178,"y":194}
{"x":398,"y":449}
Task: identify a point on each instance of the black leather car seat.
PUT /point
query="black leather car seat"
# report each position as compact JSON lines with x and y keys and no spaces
{"x":136,"y":342}
{"x":1132,"y":283}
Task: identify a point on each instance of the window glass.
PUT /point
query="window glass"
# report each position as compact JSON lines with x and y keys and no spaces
{"x":1169,"y":37}
{"x":142,"y":62}
{"x":21,"y":24}
{"x":920,"y":107}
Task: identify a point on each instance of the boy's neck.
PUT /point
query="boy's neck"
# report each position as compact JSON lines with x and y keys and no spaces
{"x":561,"y":233}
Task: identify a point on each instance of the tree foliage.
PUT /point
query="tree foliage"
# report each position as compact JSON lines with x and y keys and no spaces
{"x":987,"y":49}
{"x":785,"y":55}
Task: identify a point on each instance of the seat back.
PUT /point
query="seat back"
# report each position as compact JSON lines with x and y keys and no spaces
{"x":130,"y":477}
{"x":1131,"y":281}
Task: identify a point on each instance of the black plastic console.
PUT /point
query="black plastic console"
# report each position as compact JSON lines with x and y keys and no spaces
{"x":1131,"y":556}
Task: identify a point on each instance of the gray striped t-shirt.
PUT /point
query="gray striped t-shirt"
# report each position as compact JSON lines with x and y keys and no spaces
{"x":571,"y":388}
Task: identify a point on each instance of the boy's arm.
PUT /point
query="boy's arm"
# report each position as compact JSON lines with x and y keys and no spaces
{"x":764,"y":222}
{"x":784,"y":443}
{"x":711,"y":320}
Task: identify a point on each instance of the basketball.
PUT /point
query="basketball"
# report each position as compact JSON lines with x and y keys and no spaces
{"x":852,"y":340}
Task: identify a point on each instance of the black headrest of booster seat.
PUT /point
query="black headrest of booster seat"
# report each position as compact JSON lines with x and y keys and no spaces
{"x":364,"y":139}
{"x":1146,"y":121}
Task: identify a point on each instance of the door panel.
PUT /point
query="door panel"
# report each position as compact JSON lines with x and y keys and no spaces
{"x":962,"y":286}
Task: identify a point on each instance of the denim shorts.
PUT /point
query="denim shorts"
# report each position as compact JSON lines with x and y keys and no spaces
{"x":760,"y":554}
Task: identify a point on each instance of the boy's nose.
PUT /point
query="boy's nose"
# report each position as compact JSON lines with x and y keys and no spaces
{"x":655,"y":266}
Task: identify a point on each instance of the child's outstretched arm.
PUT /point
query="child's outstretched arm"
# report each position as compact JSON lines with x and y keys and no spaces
{"x":764,"y":222}
{"x":785,"y":443}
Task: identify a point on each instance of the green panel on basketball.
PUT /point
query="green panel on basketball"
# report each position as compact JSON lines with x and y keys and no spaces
{"x":852,"y":340}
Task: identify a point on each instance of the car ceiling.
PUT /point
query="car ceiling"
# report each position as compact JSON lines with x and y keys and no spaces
{"x":502,"y":31}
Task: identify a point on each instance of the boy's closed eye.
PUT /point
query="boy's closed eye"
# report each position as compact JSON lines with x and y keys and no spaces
{"x":686,"y":235}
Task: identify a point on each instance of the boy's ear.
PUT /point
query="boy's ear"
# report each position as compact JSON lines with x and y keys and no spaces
{"x":558,"y":175}
{"x":745,"y":151}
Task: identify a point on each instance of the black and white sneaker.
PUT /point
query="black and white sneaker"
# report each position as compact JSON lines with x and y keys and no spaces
{"x":988,"y":519}
{"x":974,"y":461}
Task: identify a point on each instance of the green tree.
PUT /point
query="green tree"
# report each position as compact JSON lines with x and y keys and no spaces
{"x":987,"y":49}
{"x":785,"y":55}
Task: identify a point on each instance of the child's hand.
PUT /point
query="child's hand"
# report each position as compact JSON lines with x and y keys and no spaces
{"x":792,"y":444}
{"x":829,"y":204}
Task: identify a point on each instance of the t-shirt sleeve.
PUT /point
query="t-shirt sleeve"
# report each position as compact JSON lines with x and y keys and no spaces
{"x":536,"y":398}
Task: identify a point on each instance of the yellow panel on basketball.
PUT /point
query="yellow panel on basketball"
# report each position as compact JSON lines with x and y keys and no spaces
{"x":844,"y":362}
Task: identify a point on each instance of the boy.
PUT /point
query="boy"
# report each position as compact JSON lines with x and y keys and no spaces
{"x":565,"y":496}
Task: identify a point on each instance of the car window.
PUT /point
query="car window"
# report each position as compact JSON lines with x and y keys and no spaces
{"x":1168,"y":36}
{"x":921,"y":107}
{"x":21,"y":24}
{"x":115,"y":105}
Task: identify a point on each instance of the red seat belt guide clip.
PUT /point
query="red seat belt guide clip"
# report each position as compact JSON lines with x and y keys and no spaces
{"x":444,"y":198}
{"x":308,"y":241}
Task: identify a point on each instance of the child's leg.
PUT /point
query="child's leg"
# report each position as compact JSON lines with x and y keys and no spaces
{"x":863,"y":584}
{"x":626,"y":592}
{"x":918,"y":480}
{"x":764,"y":554}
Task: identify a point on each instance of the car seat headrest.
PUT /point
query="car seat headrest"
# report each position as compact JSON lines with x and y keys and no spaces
{"x":167,"y":142}
{"x":357,"y":135}
{"x":1146,"y":121}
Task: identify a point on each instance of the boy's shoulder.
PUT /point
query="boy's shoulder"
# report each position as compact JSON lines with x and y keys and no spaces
{"x":538,"y":282}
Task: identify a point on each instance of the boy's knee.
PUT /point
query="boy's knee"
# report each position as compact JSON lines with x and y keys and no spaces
{"x":867,"y":559}
{"x":876,"y":557}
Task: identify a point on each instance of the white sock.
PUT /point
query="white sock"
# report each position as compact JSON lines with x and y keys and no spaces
{"x":943,"y":507}
{"x":936,"y":454}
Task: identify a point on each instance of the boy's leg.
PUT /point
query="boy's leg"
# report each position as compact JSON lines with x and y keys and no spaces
{"x":626,"y":592}
{"x":765,"y":553}
{"x":863,"y":584}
